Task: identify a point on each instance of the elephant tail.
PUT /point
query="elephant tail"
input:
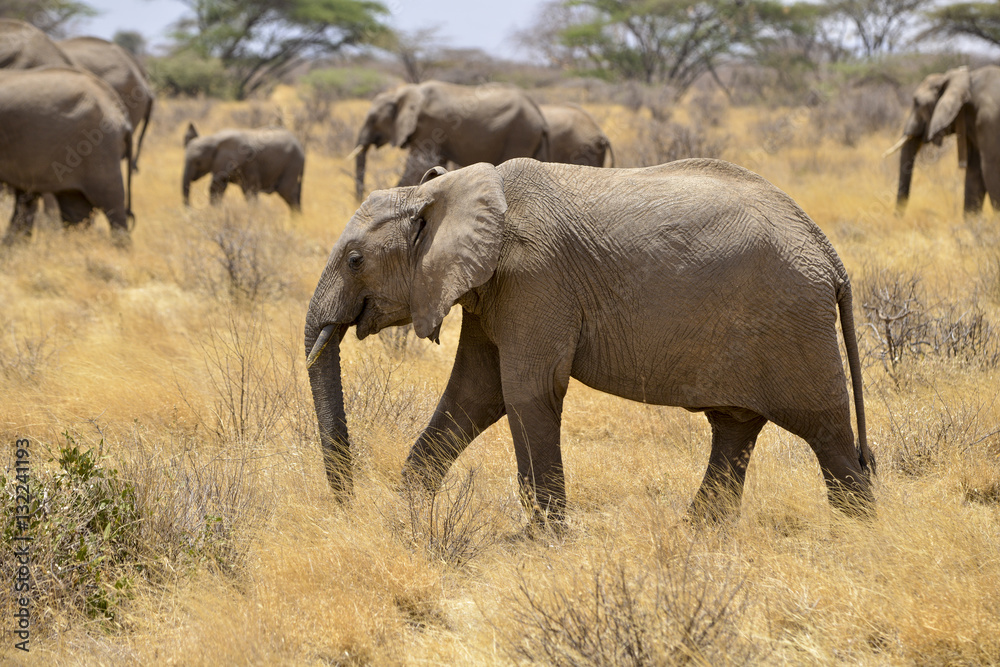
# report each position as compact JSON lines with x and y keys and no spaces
{"x":611,"y":152}
{"x":138,"y":144}
{"x":845,"y":303}
{"x":129,"y":215}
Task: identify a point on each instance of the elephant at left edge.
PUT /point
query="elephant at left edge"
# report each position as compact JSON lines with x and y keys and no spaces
{"x":264,"y":160}
{"x":695,"y":284}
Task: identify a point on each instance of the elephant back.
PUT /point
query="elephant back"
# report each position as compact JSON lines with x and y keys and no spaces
{"x":23,"y":46}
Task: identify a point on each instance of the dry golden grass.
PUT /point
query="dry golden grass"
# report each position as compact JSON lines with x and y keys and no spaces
{"x":188,"y":377}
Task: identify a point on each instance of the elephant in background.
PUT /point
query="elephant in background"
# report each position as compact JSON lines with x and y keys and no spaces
{"x":575,"y":137}
{"x":116,"y":66}
{"x":644,"y":283}
{"x":440,"y":122}
{"x":23,"y":46}
{"x":64,"y":132}
{"x":967,"y":104}
{"x":265,"y":160}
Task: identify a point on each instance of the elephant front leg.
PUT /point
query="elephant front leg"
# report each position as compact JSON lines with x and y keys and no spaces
{"x":22,"y":218}
{"x":975,"y":185}
{"x":218,"y":187}
{"x":733,"y":441}
{"x":471,"y":403}
{"x":534,"y":410}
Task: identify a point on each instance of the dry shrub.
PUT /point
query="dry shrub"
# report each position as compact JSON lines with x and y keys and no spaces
{"x":860,"y":109}
{"x":241,"y":255}
{"x":658,"y":142}
{"x":684,"y":607}
{"x":903,"y":326}
{"x":25,"y":356}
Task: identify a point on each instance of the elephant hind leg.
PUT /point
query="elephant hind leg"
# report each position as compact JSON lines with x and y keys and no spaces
{"x":75,"y":208}
{"x":847,"y":486}
{"x":734,"y":434}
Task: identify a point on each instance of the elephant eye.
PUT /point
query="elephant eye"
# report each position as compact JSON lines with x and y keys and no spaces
{"x":355,"y":261}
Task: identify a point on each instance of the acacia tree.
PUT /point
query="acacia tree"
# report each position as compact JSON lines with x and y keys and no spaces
{"x":259,"y":40}
{"x":50,"y":16}
{"x":967,"y":19}
{"x":880,"y":25}
{"x":666,"y":41}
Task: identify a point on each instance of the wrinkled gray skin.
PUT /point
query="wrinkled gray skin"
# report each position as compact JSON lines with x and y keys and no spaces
{"x":440,"y":122}
{"x":575,"y":137}
{"x":265,"y":160}
{"x":963,"y":103}
{"x":122,"y":72}
{"x":693,"y":284}
{"x":64,"y":132}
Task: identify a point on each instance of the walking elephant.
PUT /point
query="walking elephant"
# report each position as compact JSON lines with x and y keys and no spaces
{"x":64,"y":131}
{"x":967,"y":104}
{"x":123,"y":73}
{"x":695,"y":284}
{"x":440,"y":122}
{"x":265,"y":160}
{"x":575,"y":137}
{"x":23,"y":46}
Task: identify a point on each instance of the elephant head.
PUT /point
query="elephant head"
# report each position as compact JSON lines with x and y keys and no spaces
{"x":407,"y":255}
{"x":392,"y":118}
{"x":937,"y":104}
{"x":198,"y":158}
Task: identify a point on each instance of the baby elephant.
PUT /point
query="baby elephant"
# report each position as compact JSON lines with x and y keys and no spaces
{"x":696,"y":284}
{"x":265,"y":160}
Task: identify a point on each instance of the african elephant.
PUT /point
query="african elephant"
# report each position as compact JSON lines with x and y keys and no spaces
{"x":23,"y":46}
{"x":966,"y":104}
{"x":265,"y":160}
{"x":440,"y":122}
{"x":695,"y":284}
{"x":575,"y":137}
{"x":116,"y":66}
{"x":64,"y":132}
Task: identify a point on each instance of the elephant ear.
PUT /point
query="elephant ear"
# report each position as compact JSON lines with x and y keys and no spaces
{"x":955,"y":94}
{"x":408,"y":107}
{"x":455,"y":232}
{"x":191,"y":134}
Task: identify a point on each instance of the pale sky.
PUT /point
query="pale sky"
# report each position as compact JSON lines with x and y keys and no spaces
{"x":462,"y":23}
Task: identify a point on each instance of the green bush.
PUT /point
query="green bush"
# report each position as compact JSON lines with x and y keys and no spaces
{"x":186,"y":73}
{"x":338,"y":83}
{"x":85,"y":531}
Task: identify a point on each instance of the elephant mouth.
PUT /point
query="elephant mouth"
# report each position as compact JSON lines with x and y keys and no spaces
{"x":373,"y":319}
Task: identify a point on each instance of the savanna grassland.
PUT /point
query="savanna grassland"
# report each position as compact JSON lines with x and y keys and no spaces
{"x":183,"y":517}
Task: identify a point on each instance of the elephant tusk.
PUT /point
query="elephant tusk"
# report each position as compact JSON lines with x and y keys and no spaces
{"x":357,"y":149}
{"x":319,"y":345}
{"x":896,"y":146}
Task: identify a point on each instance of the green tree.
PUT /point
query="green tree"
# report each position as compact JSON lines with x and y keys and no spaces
{"x":51,"y":16}
{"x":668,"y":41}
{"x":967,"y":19}
{"x":130,"y":40}
{"x":880,"y":25}
{"x":259,"y":40}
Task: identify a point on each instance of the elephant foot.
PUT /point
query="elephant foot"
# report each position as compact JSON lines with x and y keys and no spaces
{"x":853,"y":500}
{"x":121,"y":239}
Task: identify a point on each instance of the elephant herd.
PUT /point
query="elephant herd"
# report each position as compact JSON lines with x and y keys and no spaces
{"x":695,"y":284}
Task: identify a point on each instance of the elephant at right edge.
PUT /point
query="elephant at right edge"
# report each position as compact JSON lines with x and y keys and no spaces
{"x":695,"y":284}
{"x":575,"y":137}
{"x":967,"y":104}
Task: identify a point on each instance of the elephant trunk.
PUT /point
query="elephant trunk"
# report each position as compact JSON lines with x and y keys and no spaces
{"x":328,"y":397}
{"x":360,"y":157}
{"x":907,"y":157}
